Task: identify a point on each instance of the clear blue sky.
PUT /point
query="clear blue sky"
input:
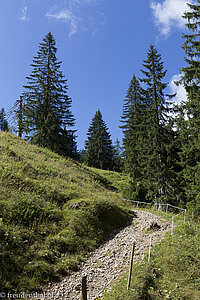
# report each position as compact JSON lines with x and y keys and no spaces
{"x":101,"y":44}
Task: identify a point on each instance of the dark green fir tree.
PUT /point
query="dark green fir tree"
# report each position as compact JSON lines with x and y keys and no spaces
{"x":3,"y":121}
{"x":99,"y":151}
{"x":17,"y":116}
{"x":191,"y":72}
{"x":133,"y":126}
{"x":118,"y":159}
{"x":189,"y":110}
{"x":159,"y":170}
{"x":47,"y":116}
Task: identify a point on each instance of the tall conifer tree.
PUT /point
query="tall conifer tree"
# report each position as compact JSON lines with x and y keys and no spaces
{"x":46,"y":105}
{"x":99,"y":151}
{"x":189,"y":111}
{"x":118,"y":160}
{"x":159,"y":169}
{"x":3,"y":121}
{"x":191,"y":73}
{"x":133,"y":120}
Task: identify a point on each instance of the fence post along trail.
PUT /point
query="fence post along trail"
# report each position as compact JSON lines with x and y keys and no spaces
{"x":150,"y":241}
{"x":131,"y":265}
{"x":84,"y":288}
{"x":172,"y":225}
{"x":165,"y":207}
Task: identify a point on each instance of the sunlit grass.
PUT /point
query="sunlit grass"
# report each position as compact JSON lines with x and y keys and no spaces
{"x":174,"y":269}
{"x":52,"y":212}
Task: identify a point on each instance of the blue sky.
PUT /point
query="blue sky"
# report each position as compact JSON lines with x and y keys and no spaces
{"x":101,"y":44}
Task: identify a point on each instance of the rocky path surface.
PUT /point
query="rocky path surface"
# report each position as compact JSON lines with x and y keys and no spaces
{"x":111,"y":258}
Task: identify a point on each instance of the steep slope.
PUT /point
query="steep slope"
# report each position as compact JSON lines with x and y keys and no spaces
{"x":52,"y":211}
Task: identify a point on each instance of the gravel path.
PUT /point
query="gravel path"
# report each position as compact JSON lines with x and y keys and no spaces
{"x":111,"y":258}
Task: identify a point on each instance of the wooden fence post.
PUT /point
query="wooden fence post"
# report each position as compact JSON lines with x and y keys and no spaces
{"x":149,"y":249}
{"x":84,"y":288}
{"x":131,"y":264}
{"x":185,"y":215}
{"x":172,"y":225}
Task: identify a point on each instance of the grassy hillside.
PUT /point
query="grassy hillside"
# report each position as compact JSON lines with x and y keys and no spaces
{"x":52,"y":212}
{"x":114,"y":180}
{"x":173,"y":272}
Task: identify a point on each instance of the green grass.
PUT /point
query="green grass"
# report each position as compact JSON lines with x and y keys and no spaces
{"x":115,"y":181}
{"x":52,"y":212}
{"x":173,"y":272}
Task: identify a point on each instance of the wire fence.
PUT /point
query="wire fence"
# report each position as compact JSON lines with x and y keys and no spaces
{"x":166,"y":207}
{"x":156,"y":206}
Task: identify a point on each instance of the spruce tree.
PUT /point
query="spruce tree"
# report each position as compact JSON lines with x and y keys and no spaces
{"x":99,"y":152}
{"x":191,"y":73}
{"x":3,"y":121}
{"x":133,"y":120}
{"x":159,"y":168}
{"x":46,"y":110}
{"x":17,"y":116}
{"x":118,"y":160}
{"x":189,"y":110}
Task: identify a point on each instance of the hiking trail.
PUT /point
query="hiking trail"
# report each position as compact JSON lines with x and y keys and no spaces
{"x":111,"y":258}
